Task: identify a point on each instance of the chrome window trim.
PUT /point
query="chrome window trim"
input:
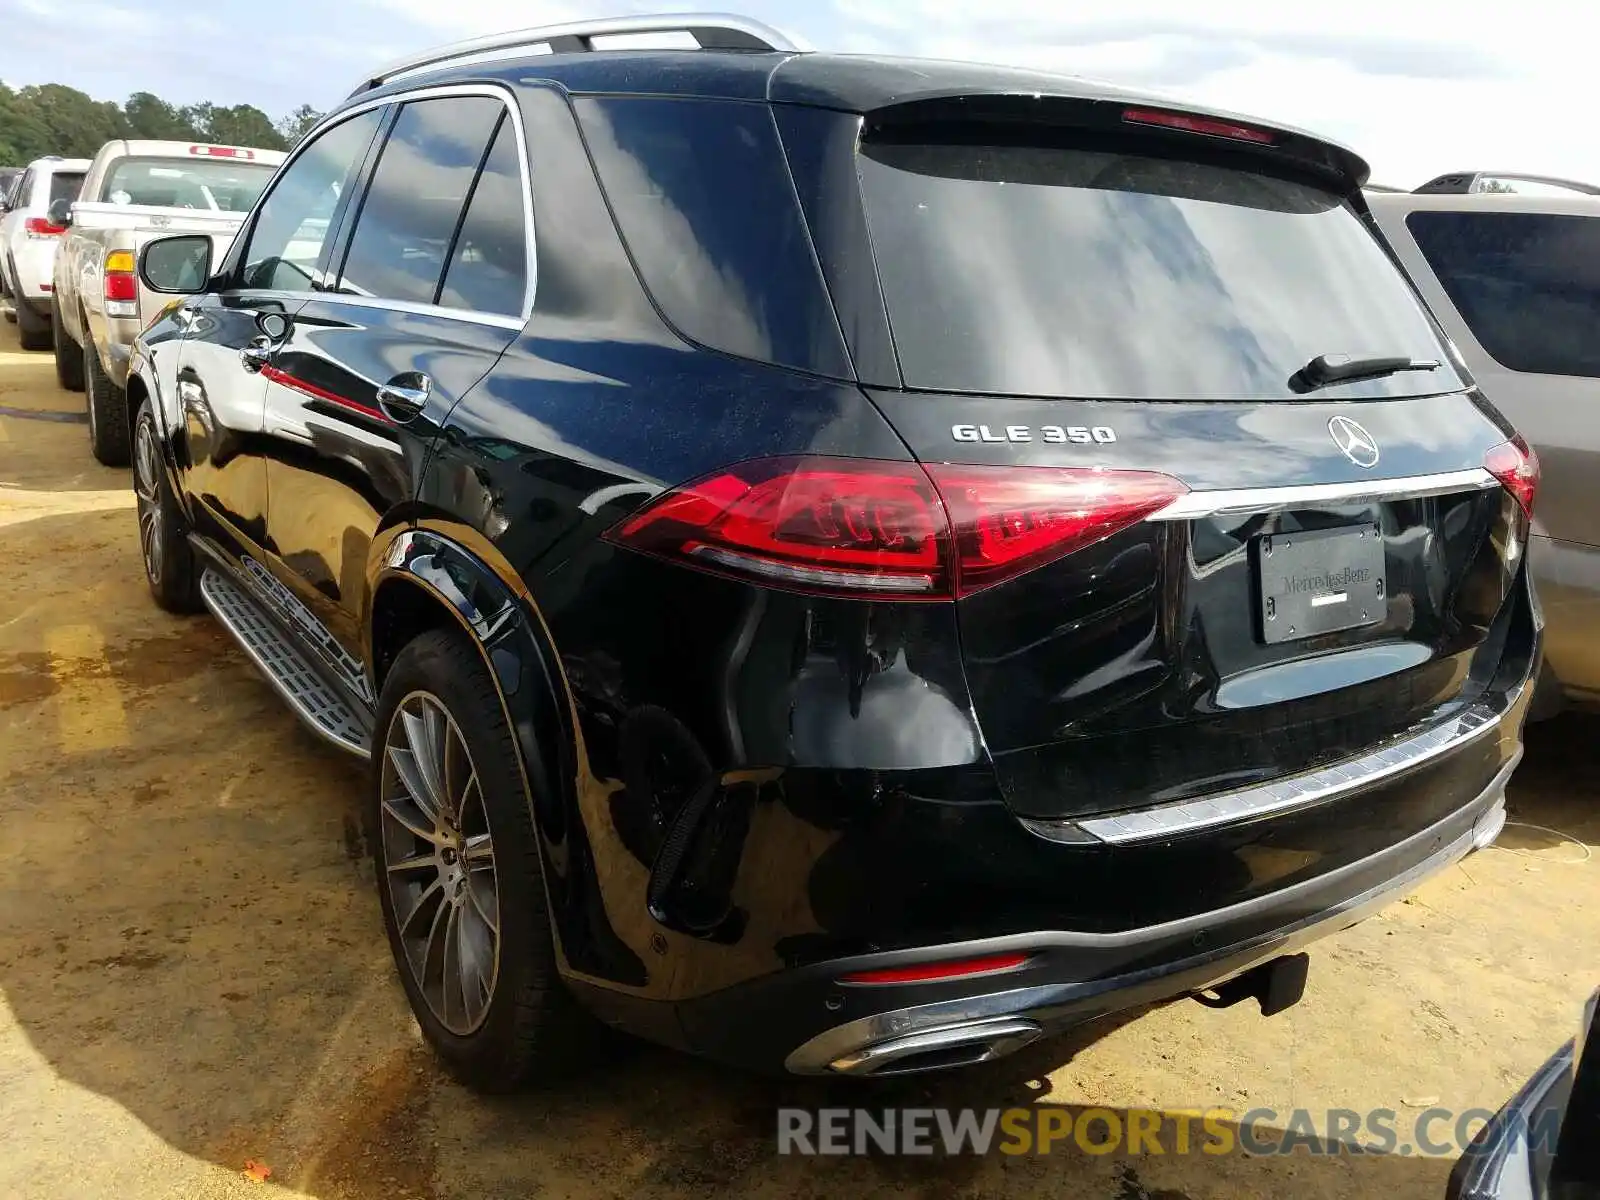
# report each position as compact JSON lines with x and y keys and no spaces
{"x":1194,"y":505}
{"x":507,"y":97}
{"x":1279,"y":796}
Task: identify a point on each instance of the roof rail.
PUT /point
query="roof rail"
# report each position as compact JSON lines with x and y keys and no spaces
{"x":1464,"y":182}
{"x":711,"y":31}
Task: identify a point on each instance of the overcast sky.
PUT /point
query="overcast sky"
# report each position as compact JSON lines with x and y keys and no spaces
{"x":1419,"y":87}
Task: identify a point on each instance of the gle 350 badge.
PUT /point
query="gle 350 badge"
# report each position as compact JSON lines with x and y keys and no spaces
{"x":1052,"y":434}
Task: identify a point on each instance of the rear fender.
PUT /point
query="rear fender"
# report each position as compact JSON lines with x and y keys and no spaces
{"x":464,"y":573}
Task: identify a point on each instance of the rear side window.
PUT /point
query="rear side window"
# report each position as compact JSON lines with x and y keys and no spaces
{"x":409,"y":216}
{"x":1089,"y":267}
{"x":1526,"y":284}
{"x":488,"y":269}
{"x":65,"y":185}
{"x":703,"y":196}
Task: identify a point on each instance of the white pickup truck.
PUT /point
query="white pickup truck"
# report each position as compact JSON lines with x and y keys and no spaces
{"x":135,"y":191}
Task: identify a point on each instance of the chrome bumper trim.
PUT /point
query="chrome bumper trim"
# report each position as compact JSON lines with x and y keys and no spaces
{"x":1193,"y":505}
{"x":818,"y":1055}
{"x":1281,"y":795}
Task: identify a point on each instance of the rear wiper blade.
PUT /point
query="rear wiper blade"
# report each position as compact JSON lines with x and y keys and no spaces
{"x":1342,"y":368}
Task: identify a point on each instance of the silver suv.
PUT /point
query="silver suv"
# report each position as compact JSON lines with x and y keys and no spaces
{"x":1511,"y":267}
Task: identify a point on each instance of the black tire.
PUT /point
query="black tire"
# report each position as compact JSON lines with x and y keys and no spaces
{"x":32,"y":329}
{"x":69,"y":357}
{"x":169,"y":563}
{"x":109,"y":434}
{"x":531,"y":1027}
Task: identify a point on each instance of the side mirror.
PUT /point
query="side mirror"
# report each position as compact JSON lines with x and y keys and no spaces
{"x":177,"y":265}
{"x":59,"y":213}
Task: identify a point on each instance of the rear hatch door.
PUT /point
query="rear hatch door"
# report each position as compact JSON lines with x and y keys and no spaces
{"x":1294,"y":568}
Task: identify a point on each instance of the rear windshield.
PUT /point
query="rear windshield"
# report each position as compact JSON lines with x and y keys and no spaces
{"x":219,"y":185}
{"x":65,"y":185}
{"x":1086,"y":270}
{"x":1526,"y":284}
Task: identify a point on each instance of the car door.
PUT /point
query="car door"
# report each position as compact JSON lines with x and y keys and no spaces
{"x":433,"y":285}
{"x":232,"y":331}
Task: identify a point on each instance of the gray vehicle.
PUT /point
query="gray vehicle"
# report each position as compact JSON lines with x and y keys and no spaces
{"x":1514,"y":277}
{"x":135,"y":191}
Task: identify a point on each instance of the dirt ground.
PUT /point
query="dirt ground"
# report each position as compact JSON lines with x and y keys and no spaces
{"x":193,"y":976}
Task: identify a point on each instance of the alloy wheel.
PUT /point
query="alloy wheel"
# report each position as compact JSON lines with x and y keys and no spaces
{"x":438,"y":857}
{"x":147,"y":490}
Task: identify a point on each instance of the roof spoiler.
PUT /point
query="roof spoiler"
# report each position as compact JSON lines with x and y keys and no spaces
{"x":1464,"y":182}
{"x":1163,"y":119}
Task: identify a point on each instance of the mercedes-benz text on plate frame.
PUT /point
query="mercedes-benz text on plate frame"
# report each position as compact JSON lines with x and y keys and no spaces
{"x":1320,"y":581}
{"x":1359,"y":446}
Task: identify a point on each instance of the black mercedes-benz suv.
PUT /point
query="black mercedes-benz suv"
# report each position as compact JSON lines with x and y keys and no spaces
{"x":840,"y":564}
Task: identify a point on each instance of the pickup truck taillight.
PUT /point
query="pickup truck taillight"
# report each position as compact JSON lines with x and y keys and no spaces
{"x":121,"y":286}
{"x":38,"y":227}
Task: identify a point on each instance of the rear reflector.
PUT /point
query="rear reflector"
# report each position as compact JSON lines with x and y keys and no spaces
{"x":933,"y":972}
{"x":890,"y":530}
{"x":1191,"y":123}
{"x":39,"y":227}
{"x":1516,"y":466}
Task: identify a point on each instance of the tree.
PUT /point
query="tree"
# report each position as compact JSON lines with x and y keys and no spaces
{"x":298,"y":123}
{"x":55,"y":119}
{"x":149,"y":116}
{"x":244,"y":125}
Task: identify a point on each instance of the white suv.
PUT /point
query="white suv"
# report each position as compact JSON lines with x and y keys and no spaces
{"x":1510,"y":264}
{"x":28,"y":244}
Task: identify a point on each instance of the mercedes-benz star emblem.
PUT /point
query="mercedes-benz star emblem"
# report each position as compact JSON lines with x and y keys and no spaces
{"x":1356,"y":443}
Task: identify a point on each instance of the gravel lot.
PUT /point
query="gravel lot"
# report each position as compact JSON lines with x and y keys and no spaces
{"x":193,"y":974}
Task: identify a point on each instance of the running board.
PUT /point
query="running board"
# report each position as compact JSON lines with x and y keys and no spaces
{"x":286,"y":667}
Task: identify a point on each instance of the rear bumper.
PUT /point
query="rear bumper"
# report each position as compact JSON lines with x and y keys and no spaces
{"x":806,"y":1022}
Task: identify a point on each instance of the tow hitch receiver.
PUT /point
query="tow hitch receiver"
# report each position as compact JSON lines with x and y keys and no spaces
{"x":1277,"y":985}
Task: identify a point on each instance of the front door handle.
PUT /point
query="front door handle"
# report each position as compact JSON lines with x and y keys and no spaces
{"x":404,"y":396}
{"x":256,"y":354}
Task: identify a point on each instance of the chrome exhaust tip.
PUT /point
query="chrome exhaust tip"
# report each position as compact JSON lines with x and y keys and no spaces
{"x":1489,"y":824}
{"x":936,"y":1049}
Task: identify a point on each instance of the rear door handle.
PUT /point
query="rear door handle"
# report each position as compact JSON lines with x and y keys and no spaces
{"x":404,"y":396}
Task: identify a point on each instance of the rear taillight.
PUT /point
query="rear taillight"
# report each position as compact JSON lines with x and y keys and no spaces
{"x":40,"y":228}
{"x":1007,"y":520}
{"x":1516,"y":466}
{"x":890,"y":530}
{"x":1193,"y":123}
{"x":119,"y":285}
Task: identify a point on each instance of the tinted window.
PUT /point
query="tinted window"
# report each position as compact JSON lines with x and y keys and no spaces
{"x":411,"y":209}
{"x":217,"y":185}
{"x":704,"y":199}
{"x":24,"y":186}
{"x":1084,"y":269}
{"x":489,"y":266}
{"x":289,"y":234}
{"x":65,"y":185}
{"x":1526,"y":284}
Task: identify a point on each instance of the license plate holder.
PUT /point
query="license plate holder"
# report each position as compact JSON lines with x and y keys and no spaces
{"x":1321,"y":581}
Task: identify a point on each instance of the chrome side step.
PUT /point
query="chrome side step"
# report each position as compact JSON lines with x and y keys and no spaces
{"x":286,"y":667}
